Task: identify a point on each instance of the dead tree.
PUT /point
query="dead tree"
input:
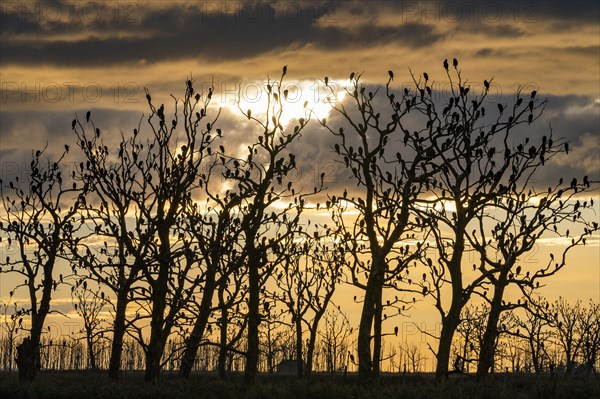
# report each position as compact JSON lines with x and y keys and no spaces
{"x":89,"y":304}
{"x":517,"y":220}
{"x":533,"y":328}
{"x":155,"y":174}
{"x":473,"y":167}
{"x":261,"y":179}
{"x":589,"y":330}
{"x":305,"y":284}
{"x":215,"y":231}
{"x":11,"y":325}
{"x":335,"y":335}
{"x":386,"y":162}
{"x":39,"y":217}
{"x":115,"y":264}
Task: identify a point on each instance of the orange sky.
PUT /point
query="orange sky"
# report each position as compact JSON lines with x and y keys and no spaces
{"x":60,"y":59}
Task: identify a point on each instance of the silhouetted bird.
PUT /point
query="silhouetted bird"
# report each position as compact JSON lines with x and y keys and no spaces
{"x":500,"y":108}
{"x":87,"y":116}
{"x":284,"y":69}
{"x":391,"y":75}
{"x":425,"y":76}
{"x":73,"y":124}
{"x":446,"y":64}
{"x":454,"y":62}
{"x":567,"y":148}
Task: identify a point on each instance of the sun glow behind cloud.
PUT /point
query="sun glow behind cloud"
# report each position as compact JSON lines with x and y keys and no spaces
{"x":304,"y":99}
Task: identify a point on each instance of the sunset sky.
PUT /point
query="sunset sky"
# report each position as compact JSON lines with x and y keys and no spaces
{"x":59,"y":59}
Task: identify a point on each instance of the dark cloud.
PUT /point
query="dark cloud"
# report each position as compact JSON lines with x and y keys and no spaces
{"x":492,"y":30}
{"x":187,"y":31}
{"x":580,"y":11}
{"x":527,"y":12}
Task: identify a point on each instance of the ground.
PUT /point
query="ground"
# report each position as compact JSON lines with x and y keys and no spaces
{"x":95,"y":385}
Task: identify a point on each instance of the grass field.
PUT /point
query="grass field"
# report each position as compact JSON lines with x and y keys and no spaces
{"x":91,"y":385}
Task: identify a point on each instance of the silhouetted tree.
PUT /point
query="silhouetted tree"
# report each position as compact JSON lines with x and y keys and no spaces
{"x":390,"y":179}
{"x":474,"y":165}
{"x":38,"y":216}
{"x":11,"y":325}
{"x":155,"y":175}
{"x":262,"y":180}
{"x":334,"y":338}
{"x":589,"y":330}
{"x":305,"y":284}
{"x":215,"y":230}
{"x":89,"y":304}
{"x":115,"y":264}
{"x":534,"y":331}
{"x":517,"y":220}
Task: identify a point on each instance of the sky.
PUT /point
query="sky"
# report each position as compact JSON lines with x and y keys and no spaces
{"x":60,"y":59}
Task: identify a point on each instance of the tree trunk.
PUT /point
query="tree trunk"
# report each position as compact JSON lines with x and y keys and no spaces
{"x":449,"y":325}
{"x":366,"y":368}
{"x":299,"y":363}
{"x":114,"y":368}
{"x":223,"y":340}
{"x":153,"y":358}
{"x":312,"y":340}
{"x":90,"y":348}
{"x":193,"y":341}
{"x":252,"y":353}
{"x":364,"y":337}
{"x":159,"y":330}
{"x":155,"y":347}
{"x":28,"y":352}
{"x":488,"y":344}
{"x":28,"y":358}
{"x":377,"y":330}
{"x":452,"y":319}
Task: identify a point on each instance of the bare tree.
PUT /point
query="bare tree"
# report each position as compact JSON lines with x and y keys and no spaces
{"x":414,"y":357}
{"x":534,"y":330}
{"x":306,"y":282}
{"x":232,"y":323}
{"x":89,"y":304}
{"x":215,"y":231}
{"x":334,"y":338}
{"x":471,"y":331}
{"x":564,"y":319}
{"x":115,"y":266}
{"x":390,"y":178}
{"x":156,"y":174}
{"x":38,"y":215}
{"x":473,"y":167}
{"x":11,"y":324}
{"x":589,"y":330}
{"x":261,"y":179}
{"x":518,"y":219}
